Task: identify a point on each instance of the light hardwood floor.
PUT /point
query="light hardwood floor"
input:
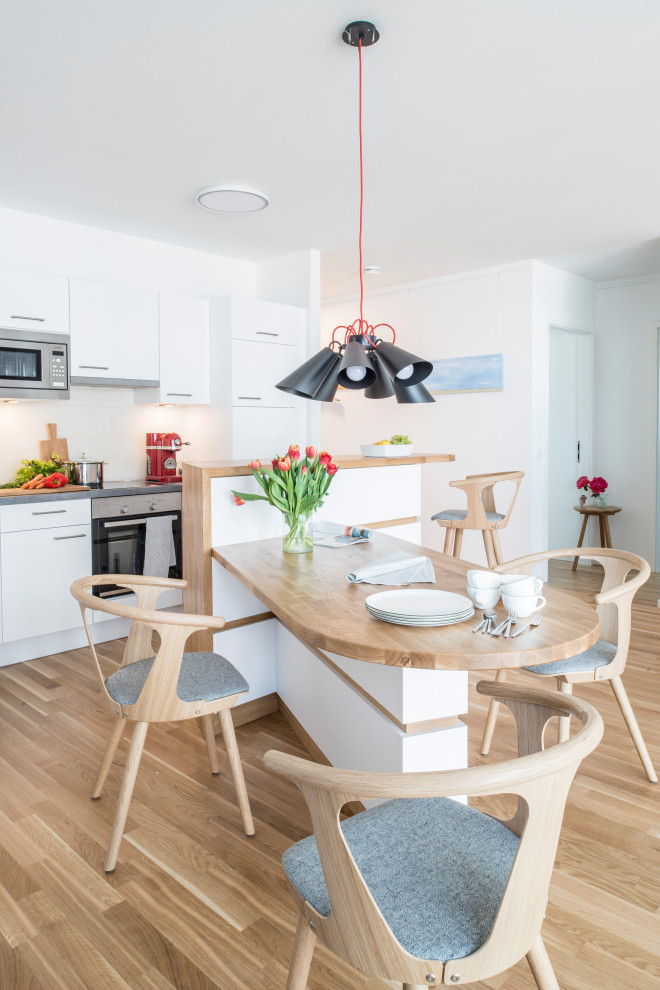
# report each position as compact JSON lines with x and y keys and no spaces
{"x":195,"y":905}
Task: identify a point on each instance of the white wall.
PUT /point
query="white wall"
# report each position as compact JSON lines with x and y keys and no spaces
{"x":508,"y":311}
{"x":104,"y":423}
{"x":625,"y":407}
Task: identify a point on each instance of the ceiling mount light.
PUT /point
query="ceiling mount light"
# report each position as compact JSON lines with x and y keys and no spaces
{"x":231,"y":199}
{"x":362,"y":360}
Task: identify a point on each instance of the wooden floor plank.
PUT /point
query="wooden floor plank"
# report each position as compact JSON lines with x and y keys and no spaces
{"x":195,"y":905}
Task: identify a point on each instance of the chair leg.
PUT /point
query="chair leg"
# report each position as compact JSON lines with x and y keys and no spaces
{"x":126,"y":792}
{"x":541,"y":967}
{"x":493,"y":709}
{"x":236,"y":768}
{"x":564,"y":727}
{"x":458,"y":542}
{"x":488,"y":544}
{"x":633,"y":728}
{"x":449,"y":540}
{"x":301,"y":960}
{"x":108,"y":757}
{"x":209,"y":736}
{"x":497,"y":546}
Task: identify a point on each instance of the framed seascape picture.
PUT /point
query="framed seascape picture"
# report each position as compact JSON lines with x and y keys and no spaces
{"x":483,"y":373}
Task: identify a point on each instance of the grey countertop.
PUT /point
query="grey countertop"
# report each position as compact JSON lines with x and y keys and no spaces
{"x":111,"y":488}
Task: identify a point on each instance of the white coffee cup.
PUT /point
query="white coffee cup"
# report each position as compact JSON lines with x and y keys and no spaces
{"x":484,"y":579}
{"x":483,"y":597}
{"x":522,"y":605}
{"x":523,"y":585}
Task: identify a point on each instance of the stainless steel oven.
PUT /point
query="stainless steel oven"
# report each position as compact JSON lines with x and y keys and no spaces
{"x":127,"y":533}
{"x":34,"y":365}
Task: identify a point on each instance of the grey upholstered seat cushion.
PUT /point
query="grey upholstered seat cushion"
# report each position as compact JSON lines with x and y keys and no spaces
{"x":436,"y":868}
{"x":598,"y":655}
{"x":203,"y":677}
{"x":458,"y":514}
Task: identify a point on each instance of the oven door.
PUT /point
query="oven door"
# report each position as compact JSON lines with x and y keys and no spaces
{"x":119,"y":546}
{"x":23,"y":365}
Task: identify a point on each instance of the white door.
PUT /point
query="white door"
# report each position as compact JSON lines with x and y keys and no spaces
{"x":570,"y":432}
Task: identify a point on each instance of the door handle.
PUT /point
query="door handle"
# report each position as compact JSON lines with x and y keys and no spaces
{"x":95,"y":367}
{"x":578,"y":452}
{"x":250,"y":397}
{"x":74,"y":536}
{"x":37,"y":319}
{"x":267,"y":333}
{"x":49,"y":512}
{"x":184,"y":395}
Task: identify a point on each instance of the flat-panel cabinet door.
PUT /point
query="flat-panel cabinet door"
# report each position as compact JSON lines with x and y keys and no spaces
{"x":184,"y":350}
{"x":263,"y":433}
{"x":30,"y":301}
{"x":255,"y":370}
{"x":266,"y":322}
{"x":38,"y":568}
{"x":114,"y":331}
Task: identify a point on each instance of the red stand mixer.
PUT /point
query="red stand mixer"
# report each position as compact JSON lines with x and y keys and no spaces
{"x":161,"y":457}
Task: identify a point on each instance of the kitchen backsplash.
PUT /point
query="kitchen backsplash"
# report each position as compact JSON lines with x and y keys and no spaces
{"x":105,"y":425}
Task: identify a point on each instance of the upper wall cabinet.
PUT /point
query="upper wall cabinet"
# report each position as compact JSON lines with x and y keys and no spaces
{"x":31,"y":301}
{"x":184,"y":353}
{"x":114,"y":334}
{"x":267,"y":322}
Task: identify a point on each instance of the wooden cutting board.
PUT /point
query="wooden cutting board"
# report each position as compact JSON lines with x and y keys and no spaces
{"x":43,"y":491}
{"x":53,"y":445}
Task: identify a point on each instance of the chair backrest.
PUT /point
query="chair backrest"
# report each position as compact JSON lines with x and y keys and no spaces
{"x":357,"y":931}
{"x":479,"y":490}
{"x":158,"y":700}
{"x":613,"y":602}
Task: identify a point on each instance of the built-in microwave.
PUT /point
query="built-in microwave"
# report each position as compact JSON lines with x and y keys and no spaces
{"x":34,"y":365}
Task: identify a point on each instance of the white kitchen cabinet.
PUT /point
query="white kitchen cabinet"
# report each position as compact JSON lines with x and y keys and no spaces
{"x":266,"y":322}
{"x":31,"y":301}
{"x":38,"y":568}
{"x":185,"y":377}
{"x":44,"y":515}
{"x":255,"y":369}
{"x":114,"y":333}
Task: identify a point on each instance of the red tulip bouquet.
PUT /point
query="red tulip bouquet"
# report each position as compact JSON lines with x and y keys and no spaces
{"x":296,"y":487}
{"x":596,"y":487}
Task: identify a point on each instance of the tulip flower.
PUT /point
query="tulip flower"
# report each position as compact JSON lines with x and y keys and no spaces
{"x":294,"y":451}
{"x":255,"y":465}
{"x":325,"y":458}
{"x":284,"y":463}
{"x":331,"y":469}
{"x":238,"y":500}
{"x":303,"y":469}
{"x":310,"y":453}
{"x":275,"y":462}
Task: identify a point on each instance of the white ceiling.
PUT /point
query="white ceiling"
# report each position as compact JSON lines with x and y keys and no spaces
{"x":495,"y":130}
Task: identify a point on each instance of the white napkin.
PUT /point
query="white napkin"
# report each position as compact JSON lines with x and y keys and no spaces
{"x":398,"y":568}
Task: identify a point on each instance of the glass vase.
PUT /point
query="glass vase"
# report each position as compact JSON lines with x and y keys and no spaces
{"x":297,"y":533}
{"x":599,"y":501}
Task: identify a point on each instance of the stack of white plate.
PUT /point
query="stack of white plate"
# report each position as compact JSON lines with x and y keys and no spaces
{"x":416,"y":607}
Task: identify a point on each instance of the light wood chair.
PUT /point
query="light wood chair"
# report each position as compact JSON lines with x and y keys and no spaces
{"x":606,"y":660}
{"x":424,"y":890}
{"x":168,"y":687}
{"x":480,"y":513}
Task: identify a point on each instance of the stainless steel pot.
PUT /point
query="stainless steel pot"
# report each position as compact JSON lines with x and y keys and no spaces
{"x":86,"y":472}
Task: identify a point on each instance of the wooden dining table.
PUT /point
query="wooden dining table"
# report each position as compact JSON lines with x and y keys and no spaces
{"x":310,"y":595}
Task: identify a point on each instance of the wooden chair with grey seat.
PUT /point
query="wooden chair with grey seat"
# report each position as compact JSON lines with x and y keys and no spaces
{"x":606,"y":660}
{"x":480,"y":513}
{"x":425,"y":890}
{"x":168,"y":687}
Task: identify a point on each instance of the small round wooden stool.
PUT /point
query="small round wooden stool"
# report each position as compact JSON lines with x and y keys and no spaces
{"x":603,"y":521}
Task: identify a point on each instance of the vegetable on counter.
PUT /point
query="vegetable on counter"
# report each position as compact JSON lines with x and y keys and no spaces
{"x":30,"y":471}
{"x":56,"y":480}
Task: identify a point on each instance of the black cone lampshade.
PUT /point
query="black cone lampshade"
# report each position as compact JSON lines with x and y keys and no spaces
{"x":309,"y":377}
{"x":328,"y":387}
{"x":413,"y":393}
{"x":404,"y":368}
{"x":356,"y":370}
{"x":382,"y":388}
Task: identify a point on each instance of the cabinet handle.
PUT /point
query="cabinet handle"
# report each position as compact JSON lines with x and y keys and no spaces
{"x":250,"y":397}
{"x":95,"y":367}
{"x":37,"y":319}
{"x":49,"y":512}
{"x":75,"y":536}
{"x":185,"y":395}
{"x":267,"y":333}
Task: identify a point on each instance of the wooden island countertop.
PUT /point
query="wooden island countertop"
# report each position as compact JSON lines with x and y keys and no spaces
{"x":237,"y":469}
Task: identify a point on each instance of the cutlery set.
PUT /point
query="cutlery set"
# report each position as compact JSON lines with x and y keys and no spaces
{"x":520,"y":596}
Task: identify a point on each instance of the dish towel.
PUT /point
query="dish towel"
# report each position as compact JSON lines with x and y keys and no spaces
{"x":159,"y":550}
{"x":398,"y":568}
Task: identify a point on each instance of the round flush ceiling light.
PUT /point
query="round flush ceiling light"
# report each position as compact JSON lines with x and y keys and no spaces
{"x":227,"y":199}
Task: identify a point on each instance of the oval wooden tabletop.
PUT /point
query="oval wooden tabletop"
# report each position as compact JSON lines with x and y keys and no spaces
{"x":310,"y":595}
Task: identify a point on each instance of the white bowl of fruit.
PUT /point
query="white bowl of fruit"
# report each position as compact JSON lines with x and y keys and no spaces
{"x":397,"y":446}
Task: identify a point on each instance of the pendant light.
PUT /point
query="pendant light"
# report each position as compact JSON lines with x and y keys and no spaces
{"x":362,"y":360}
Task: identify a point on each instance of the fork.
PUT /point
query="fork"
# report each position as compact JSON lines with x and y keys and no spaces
{"x":535,"y":622}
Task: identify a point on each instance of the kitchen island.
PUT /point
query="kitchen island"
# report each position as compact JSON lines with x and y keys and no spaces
{"x":300,"y":635}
